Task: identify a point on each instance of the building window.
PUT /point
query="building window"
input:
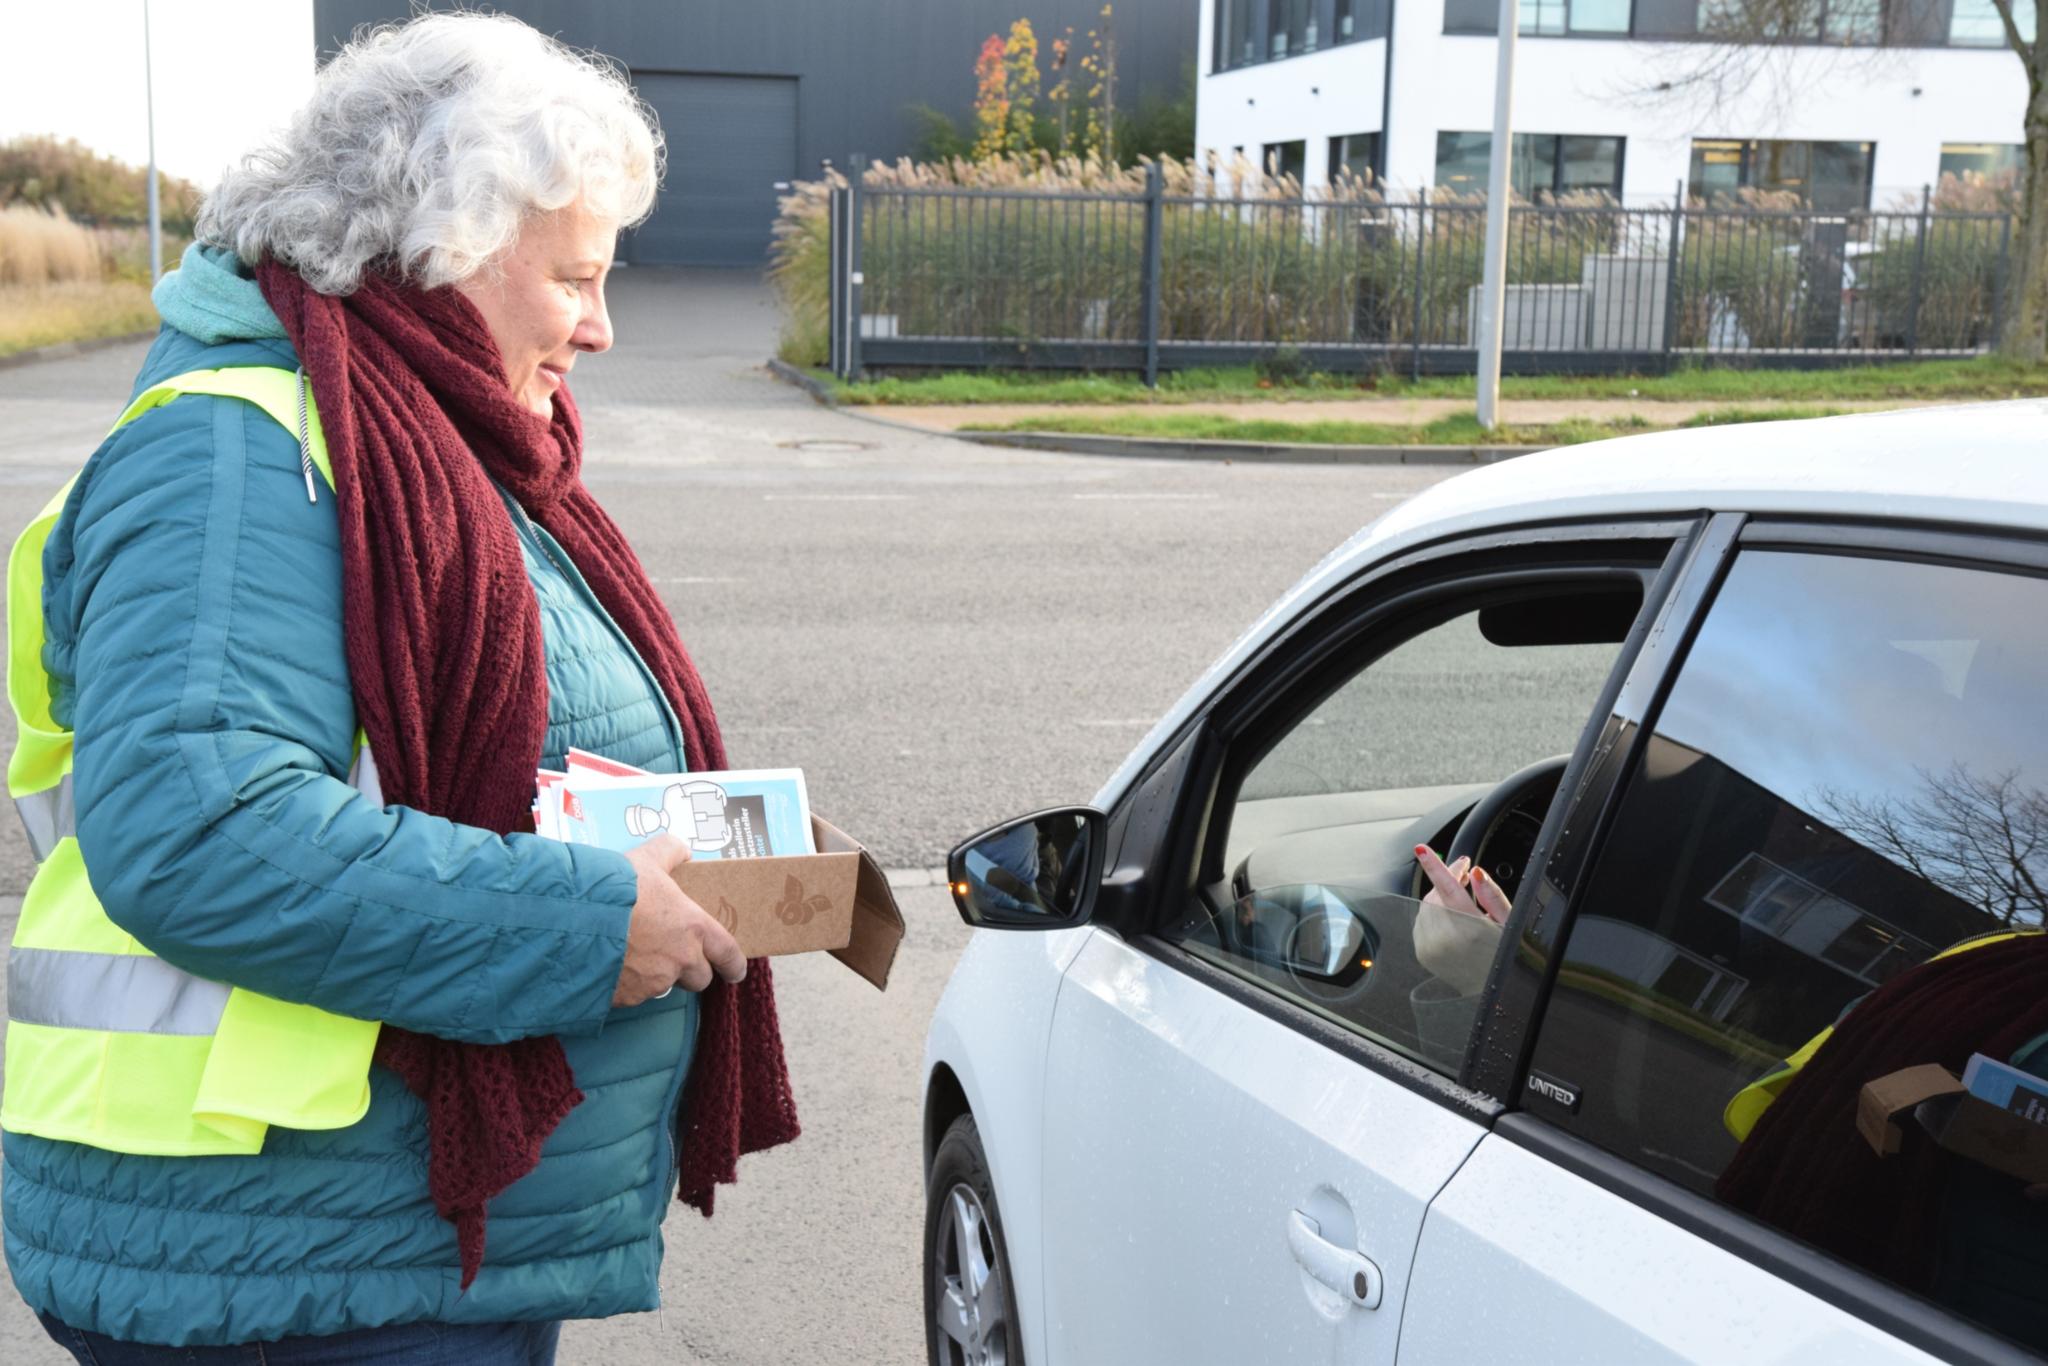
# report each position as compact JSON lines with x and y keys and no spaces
{"x":1975,"y":23}
{"x":1852,"y":21}
{"x":1543,"y":163}
{"x":1290,"y":27}
{"x":1981,"y":158}
{"x":1355,"y":154}
{"x":1237,"y":41}
{"x":1552,"y":18}
{"x":1833,"y":176}
{"x":1828,"y":21}
{"x":1287,"y":159}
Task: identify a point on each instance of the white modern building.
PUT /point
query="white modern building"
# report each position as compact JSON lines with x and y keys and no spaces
{"x":1880,"y":98}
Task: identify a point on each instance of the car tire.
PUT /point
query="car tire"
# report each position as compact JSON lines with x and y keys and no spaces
{"x":970,"y":1299}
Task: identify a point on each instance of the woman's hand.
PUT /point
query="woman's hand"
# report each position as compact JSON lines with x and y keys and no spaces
{"x":1457,"y":928}
{"x":671,"y":941}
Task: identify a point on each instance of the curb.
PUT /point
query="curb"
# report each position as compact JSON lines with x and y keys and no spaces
{"x":1248,"y":452}
{"x":1162,"y":448}
{"x":59,"y":350}
{"x":809,"y":383}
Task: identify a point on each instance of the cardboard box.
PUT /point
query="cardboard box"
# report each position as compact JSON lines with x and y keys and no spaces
{"x":1956,"y":1120}
{"x":836,"y":900}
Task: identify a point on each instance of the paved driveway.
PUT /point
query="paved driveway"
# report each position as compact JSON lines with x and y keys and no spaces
{"x":940,"y":634}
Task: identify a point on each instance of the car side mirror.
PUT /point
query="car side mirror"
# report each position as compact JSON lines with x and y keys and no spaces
{"x":1035,"y":873}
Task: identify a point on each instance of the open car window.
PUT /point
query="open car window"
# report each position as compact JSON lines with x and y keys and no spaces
{"x":1475,"y":706}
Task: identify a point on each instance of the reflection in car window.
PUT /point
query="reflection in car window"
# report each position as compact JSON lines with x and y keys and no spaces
{"x":1848,"y":781}
{"x":1321,"y":850}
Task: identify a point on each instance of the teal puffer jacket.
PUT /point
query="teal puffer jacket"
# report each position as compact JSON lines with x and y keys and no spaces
{"x":193,"y":607}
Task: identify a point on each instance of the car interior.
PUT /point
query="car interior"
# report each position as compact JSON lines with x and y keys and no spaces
{"x":1454,"y":733}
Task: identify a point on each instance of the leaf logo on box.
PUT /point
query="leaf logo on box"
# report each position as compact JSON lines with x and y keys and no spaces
{"x":728,"y":915}
{"x":797,"y":909}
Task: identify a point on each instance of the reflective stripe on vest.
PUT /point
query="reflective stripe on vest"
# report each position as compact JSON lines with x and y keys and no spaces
{"x":122,"y":992}
{"x":47,"y":816}
{"x":107,"y":1044}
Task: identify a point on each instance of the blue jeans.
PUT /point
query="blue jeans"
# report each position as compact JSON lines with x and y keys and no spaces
{"x":405,"y":1344}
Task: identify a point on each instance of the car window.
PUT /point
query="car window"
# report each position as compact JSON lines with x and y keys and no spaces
{"x":1849,"y":778}
{"x":1323,"y":888}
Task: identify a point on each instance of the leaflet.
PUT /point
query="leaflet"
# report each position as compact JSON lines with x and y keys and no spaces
{"x":2009,"y":1088}
{"x":747,"y":813}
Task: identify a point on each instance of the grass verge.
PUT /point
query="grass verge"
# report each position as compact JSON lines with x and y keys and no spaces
{"x":1461,"y":429}
{"x":71,"y":310}
{"x":1985,"y":377}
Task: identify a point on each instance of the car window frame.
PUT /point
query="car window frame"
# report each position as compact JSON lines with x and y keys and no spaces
{"x":1160,"y":829}
{"x":1890,"y":1308}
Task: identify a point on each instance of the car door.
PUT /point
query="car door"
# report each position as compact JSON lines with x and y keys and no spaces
{"x":1251,"y":1091}
{"x":1846,"y":776}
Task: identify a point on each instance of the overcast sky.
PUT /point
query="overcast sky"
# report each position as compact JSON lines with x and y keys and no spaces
{"x":225,"y":71}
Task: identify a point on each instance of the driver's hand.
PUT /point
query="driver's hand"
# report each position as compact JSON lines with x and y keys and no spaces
{"x":1457,"y":926}
{"x":1461,"y":887}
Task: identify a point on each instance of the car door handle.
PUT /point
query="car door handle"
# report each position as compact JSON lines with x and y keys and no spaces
{"x":1351,"y":1274}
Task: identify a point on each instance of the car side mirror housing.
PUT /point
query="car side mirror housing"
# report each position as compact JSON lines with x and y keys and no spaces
{"x":1038,"y":872}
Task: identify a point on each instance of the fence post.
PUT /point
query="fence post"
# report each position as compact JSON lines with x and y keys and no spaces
{"x":1421,"y":243}
{"x":835,"y":256}
{"x":1919,"y":274}
{"x":1155,"y":189}
{"x":1672,"y":257}
{"x":856,"y":166}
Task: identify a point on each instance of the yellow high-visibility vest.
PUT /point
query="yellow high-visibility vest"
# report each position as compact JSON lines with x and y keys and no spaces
{"x":107,"y":1044}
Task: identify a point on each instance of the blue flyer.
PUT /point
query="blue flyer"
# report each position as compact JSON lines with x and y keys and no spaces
{"x":743,"y":814}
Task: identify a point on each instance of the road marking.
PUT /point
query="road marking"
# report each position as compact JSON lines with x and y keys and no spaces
{"x":1146,"y":497}
{"x":834,"y":496}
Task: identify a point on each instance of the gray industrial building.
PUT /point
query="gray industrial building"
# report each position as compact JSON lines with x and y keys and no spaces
{"x":751,"y":92}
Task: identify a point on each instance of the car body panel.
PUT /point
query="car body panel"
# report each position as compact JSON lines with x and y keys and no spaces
{"x":1523,"y":1261}
{"x":990,"y":1031}
{"x":1190,"y":1128}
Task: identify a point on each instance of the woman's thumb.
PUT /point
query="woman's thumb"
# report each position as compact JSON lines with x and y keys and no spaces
{"x":669,"y":852}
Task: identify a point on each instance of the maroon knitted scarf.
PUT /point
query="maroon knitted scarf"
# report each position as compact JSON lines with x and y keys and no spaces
{"x":444,"y":652}
{"x":1807,"y":1170}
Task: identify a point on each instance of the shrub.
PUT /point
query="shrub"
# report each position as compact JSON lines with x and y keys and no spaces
{"x":40,"y":248}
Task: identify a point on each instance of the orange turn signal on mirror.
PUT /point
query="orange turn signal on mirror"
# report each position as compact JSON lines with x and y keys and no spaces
{"x":961,"y":889}
{"x":1365,"y":962}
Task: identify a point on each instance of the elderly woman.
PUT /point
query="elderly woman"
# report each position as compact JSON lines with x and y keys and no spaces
{"x":332,"y":1059}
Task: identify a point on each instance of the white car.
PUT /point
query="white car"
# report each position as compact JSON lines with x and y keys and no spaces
{"x":1748,"y":722}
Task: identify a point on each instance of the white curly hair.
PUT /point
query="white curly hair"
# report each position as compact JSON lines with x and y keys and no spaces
{"x":425,"y":147}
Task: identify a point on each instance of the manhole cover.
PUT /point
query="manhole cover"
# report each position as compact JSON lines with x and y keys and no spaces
{"x":824,"y":447}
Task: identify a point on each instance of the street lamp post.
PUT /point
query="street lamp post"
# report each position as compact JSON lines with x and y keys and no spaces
{"x":156,"y":221}
{"x":1493,"y":284}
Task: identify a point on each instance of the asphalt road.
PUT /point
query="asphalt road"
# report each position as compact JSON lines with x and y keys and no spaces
{"x":940,"y":634}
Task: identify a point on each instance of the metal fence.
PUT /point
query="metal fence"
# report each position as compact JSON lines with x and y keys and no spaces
{"x":1011,"y":278}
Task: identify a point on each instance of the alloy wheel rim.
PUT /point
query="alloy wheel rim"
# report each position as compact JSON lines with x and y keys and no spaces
{"x":970,"y":1306}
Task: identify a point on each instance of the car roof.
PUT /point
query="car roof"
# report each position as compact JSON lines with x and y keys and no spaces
{"x":1983,"y":465}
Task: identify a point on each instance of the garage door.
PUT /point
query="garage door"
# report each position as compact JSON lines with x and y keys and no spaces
{"x":730,"y":138}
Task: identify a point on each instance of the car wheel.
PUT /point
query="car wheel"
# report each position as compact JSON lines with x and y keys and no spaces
{"x":970,"y":1308}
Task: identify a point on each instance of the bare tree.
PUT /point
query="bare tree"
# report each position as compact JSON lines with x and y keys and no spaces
{"x":2026,"y":334}
{"x":1983,"y":839}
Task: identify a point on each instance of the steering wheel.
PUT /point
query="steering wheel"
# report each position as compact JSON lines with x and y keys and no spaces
{"x":1484,"y":820}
